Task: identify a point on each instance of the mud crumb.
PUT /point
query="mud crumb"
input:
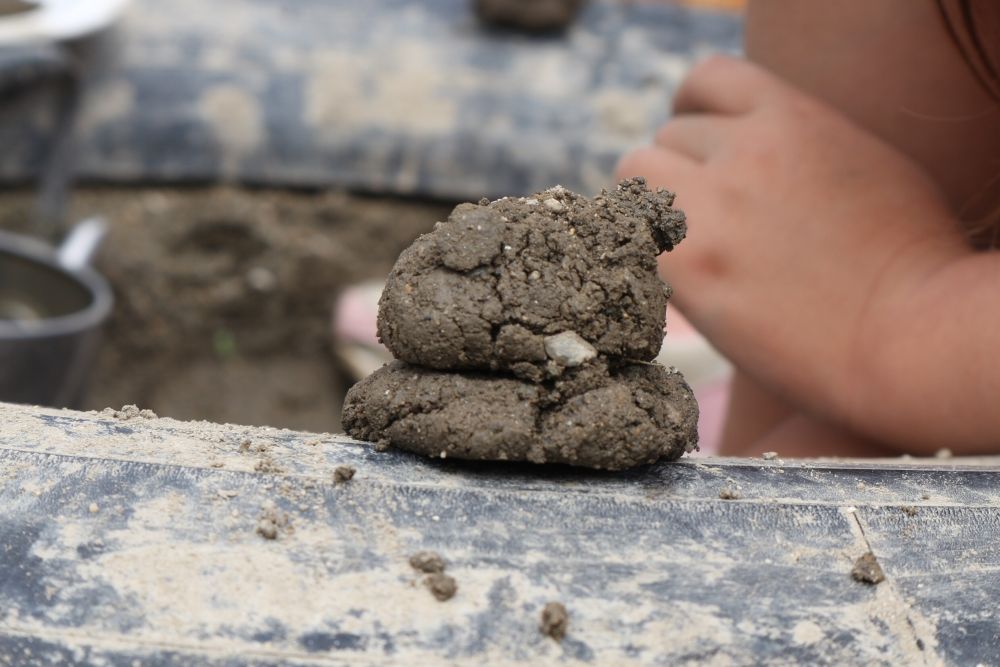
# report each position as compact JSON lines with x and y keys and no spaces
{"x":343,"y":474}
{"x":267,"y":529}
{"x":555,"y":620}
{"x":128,"y":412}
{"x":427,"y":561}
{"x":272,"y":522}
{"x":909,"y":510}
{"x":769,"y":456}
{"x":867,"y":570}
{"x":730,"y":493}
{"x":441,"y":586}
{"x":267,"y":464}
{"x":925,"y":496}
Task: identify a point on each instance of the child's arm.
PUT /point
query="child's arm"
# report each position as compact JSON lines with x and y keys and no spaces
{"x":826,"y":264}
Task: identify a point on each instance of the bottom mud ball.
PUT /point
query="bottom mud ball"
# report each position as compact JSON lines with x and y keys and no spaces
{"x":594,"y":417}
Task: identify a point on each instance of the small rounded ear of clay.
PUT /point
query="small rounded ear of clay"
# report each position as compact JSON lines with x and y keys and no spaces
{"x":471,"y":237}
{"x":667,"y":225}
{"x":669,"y":229}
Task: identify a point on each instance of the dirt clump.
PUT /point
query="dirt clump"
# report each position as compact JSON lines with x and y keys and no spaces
{"x":867,"y":570}
{"x":524,"y":328}
{"x":592,"y":416}
{"x":555,"y":620}
{"x":342,"y":474}
{"x":534,"y":285}
{"x":729,"y":493}
{"x":129,"y":412}
{"x":427,"y":561}
{"x":528,"y":15}
{"x":272,"y":523}
{"x":441,"y":586}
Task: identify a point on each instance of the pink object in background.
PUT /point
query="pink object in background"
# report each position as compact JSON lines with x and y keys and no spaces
{"x":706,"y":370}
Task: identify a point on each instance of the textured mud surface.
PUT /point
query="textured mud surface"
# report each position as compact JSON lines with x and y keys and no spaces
{"x":528,"y":15}
{"x":489,"y":286}
{"x":522,"y":330}
{"x":613,"y":419}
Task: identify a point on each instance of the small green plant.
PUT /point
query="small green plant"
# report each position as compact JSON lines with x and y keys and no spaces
{"x":224,"y":344}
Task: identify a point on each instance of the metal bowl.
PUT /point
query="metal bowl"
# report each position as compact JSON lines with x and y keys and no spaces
{"x":50,"y":321}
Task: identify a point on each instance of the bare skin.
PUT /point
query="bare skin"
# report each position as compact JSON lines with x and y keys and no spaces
{"x":826,"y":254}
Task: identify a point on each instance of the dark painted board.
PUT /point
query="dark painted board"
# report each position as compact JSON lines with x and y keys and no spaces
{"x":135,"y":540}
{"x":403,"y":96}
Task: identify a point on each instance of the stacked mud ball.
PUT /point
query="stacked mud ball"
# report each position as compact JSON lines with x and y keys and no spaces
{"x":524,"y":329}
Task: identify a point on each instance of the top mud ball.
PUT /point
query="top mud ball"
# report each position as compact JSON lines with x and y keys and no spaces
{"x":535,"y":285}
{"x":523,"y":331}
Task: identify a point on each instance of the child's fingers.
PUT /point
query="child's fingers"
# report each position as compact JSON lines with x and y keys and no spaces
{"x":722,"y":85}
{"x":659,"y":166}
{"x":696,"y":136}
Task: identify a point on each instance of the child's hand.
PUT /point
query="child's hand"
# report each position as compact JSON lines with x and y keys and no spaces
{"x":806,"y":234}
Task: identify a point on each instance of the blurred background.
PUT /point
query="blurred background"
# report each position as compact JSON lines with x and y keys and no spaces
{"x":248,"y":170}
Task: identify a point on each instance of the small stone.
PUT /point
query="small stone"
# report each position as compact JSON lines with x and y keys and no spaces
{"x":427,"y":561}
{"x":343,"y":474}
{"x":569,"y":349}
{"x":943,"y":453}
{"x":867,"y":570}
{"x":729,"y":493}
{"x":267,"y":528}
{"x":261,"y":279}
{"x":441,"y":586}
{"x":908,"y":510}
{"x":271,"y":521}
{"x":94,"y":509}
{"x":555,"y":620}
{"x":769,"y":456}
{"x":554,"y":204}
